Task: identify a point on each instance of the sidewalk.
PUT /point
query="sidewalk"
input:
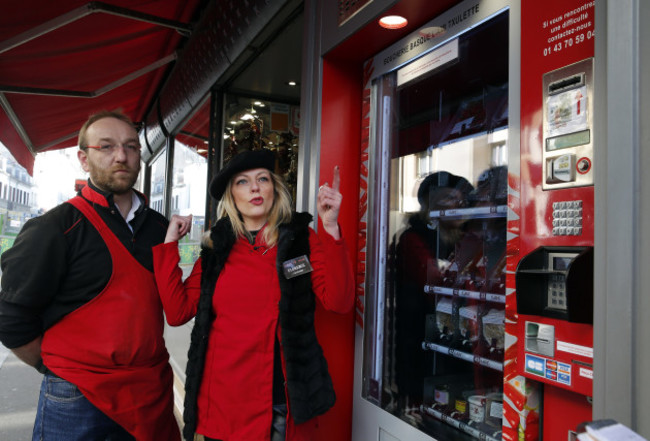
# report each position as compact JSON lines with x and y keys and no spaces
{"x":19,"y":388}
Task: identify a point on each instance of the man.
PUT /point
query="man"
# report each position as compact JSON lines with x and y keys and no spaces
{"x":80,"y":304}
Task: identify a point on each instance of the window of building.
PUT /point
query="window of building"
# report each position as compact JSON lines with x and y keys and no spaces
{"x":158,"y":182}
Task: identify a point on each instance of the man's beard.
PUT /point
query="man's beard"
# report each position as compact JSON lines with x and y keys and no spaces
{"x":106,"y":179}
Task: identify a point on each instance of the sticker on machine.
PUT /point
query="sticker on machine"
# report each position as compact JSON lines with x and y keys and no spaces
{"x":567,"y":112}
{"x":584,"y":351}
{"x":587,"y":373}
{"x":535,"y":365}
{"x":564,"y":373}
{"x":564,"y":379}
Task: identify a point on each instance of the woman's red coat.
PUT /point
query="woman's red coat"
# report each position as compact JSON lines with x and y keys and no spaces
{"x":235,"y":398}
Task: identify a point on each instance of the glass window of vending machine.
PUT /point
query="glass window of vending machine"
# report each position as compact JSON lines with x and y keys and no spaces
{"x":435,"y":299}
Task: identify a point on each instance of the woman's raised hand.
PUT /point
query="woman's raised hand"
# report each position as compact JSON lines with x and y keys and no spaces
{"x":329,"y":204}
{"x":179,"y":226}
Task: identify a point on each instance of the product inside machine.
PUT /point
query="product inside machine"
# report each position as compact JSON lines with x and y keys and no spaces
{"x":443,"y":320}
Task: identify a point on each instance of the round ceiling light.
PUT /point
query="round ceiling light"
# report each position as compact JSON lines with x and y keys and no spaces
{"x":393,"y":22}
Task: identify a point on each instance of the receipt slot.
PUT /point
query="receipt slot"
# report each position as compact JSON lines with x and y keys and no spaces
{"x":540,"y":338}
{"x":555,"y":307}
{"x":567,"y":123}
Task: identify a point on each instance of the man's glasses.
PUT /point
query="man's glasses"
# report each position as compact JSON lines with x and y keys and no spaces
{"x":111,"y":148}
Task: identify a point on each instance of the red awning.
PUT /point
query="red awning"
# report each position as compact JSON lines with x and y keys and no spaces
{"x":61,"y":61}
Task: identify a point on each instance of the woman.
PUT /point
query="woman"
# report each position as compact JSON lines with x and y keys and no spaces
{"x":421,"y":254}
{"x":254,"y":360}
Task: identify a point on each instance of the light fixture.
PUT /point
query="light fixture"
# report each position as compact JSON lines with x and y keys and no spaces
{"x":291,"y":83}
{"x":393,"y":22}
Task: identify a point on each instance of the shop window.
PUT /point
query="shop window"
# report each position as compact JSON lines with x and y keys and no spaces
{"x":158,"y":182}
{"x":190,"y":181}
{"x":139,"y":183}
{"x":252,"y":124}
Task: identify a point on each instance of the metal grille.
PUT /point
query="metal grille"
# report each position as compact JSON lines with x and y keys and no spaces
{"x":347,"y":8}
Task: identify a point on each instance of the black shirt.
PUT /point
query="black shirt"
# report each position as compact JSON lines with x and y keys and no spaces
{"x":59,"y":262}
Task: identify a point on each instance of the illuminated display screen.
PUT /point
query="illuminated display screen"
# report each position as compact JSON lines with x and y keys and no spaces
{"x":568,"y":140}
{"x":561,"y":263}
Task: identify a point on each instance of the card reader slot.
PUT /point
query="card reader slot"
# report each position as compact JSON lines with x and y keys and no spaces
{"x":566,"y":83}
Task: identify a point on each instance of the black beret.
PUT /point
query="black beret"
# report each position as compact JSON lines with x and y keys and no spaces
{"x":442,"y":179}
{"x":246,"y":160}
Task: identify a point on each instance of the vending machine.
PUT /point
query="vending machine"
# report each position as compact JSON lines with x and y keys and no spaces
{"x":435,"y":350}
{"x":477,"y":174}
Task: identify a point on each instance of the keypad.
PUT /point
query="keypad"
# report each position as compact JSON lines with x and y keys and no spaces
{"x":567,"y":218}
{"x":557,"y":292}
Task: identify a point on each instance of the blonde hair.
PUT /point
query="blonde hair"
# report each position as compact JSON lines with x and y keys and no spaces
{"x":280,"y":211}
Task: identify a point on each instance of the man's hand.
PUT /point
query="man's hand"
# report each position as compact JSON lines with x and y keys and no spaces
{"x":179,"y":226}
{"x":30,"y":353}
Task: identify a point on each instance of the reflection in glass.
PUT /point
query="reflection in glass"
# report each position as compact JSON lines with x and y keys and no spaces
{"x":434,"y":344}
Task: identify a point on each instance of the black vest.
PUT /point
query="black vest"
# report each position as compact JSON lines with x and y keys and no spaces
{"x":309,"y":385}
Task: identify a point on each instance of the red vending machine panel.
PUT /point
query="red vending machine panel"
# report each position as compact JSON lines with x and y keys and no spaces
{"x":554,"y":268}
